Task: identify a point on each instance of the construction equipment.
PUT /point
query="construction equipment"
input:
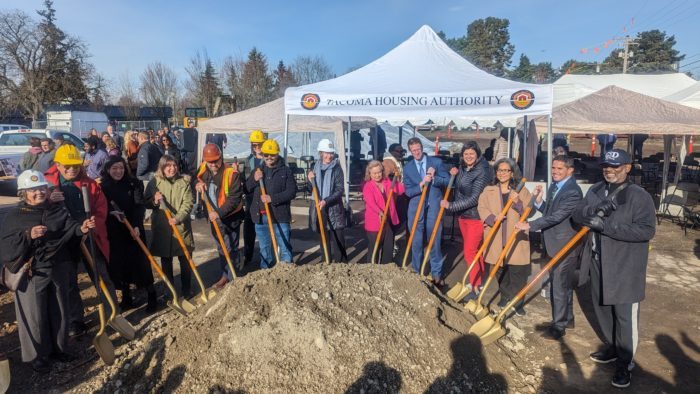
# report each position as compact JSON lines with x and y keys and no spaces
{"x":477,"y":307}
{"x":115,"y":320}
{"x":179,"y":305}
{"x":101,"y":342}
{"x":380,"y":234}
{"x":419,"y":210}
{"x":460,"y":290}
{"x":205,"y":294}
{"x":436,"y":227}
{"x":489,"y":329}
{"x":193,"y":116}
{"x":321,"y":227}
{"x":217,"y":230}
{"x":268,"y":213}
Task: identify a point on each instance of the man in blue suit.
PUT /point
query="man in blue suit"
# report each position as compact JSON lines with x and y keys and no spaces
{"x":430,"y":171}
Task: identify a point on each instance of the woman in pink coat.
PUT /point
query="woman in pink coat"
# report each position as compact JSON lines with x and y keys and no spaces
{"x":375,"y":192}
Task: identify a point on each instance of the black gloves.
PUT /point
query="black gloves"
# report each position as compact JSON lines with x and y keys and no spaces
{"x":605,"y":206}
{"x":595,"y":223}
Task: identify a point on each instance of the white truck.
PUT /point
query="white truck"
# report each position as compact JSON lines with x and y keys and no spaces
{"x":15,"y":143}
{"x":77,"y":122}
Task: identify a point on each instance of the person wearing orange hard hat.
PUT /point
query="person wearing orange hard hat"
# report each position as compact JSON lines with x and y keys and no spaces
{"x":254,"y":160}
{"x":222,"y":186}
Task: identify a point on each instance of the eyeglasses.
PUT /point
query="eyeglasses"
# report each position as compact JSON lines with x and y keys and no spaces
{"x":503,"y":171}
{"x":255,"y":145}
{"x":213,"y":163}
{"x":268,"y":155}
{"x":72,"y":166}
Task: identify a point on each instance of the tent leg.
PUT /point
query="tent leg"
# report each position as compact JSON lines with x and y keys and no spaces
{"x":525,"y":132}
{"x":549,"y":150}
{"x":510,"y":143}
{"x":286,"y":136}
{"x":347,"y":162}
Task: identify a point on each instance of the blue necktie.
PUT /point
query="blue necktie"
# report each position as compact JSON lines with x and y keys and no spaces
{"x":422,"y":170}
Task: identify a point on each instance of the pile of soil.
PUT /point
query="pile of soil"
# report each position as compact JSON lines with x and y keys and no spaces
{"x":315,"y":329}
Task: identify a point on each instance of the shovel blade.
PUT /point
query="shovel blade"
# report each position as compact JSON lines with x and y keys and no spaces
{"x":483,"y":326}
{"x":480,"y":312}
{"x":181,"y":306}
{"x":457,"y":292}
{"x":492,"y":335}
{"x":123,"y":327}
{"x":104,"y":348}
{"x":471,"y":306}
{"x":205,"y":297}
{"x":5,"y":375}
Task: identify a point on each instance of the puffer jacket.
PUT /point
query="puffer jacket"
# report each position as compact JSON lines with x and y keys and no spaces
{"x":334,"y":212}
{"x":469,"y":184}
{"x":282,"y":188}
{"x":178,"y":195}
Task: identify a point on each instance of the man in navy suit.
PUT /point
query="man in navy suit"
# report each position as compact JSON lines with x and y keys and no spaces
{"x":563,"y":196}
{"x":427,"y":171}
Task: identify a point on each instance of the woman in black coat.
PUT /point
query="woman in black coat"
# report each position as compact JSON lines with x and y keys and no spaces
{"x":329,"y":180}
{"x":38,"y":231}
{"x":127,"y":263}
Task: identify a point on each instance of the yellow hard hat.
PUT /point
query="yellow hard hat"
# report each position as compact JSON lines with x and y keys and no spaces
{"x":68,"y":155}
{"x":270,"y":147}
{"x":257,"y":136}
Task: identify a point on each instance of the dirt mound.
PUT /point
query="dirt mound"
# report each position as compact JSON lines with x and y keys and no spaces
{"x":314,"y":329}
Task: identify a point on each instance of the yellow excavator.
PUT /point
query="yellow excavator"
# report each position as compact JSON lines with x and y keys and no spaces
{"x":194,"y":115}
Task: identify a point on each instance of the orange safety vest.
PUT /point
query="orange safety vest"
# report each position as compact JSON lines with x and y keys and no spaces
{"x":226,"y":184}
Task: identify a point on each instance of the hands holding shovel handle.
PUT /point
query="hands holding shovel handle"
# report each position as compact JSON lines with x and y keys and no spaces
{"x":269,"y":215}
{"x":321,"y":227}
{"x":217,"y":230}
{"x":380,"y":234}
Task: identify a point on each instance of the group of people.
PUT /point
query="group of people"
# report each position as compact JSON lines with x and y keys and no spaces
{"x":401,"y":196}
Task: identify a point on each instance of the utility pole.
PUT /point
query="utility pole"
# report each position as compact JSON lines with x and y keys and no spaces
{"x":626,"y":53}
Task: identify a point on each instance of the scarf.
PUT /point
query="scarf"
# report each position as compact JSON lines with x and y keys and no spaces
{"x":324,"y":182}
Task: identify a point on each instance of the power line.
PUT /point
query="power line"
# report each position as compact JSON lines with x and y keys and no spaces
{"x":688,"y":64}
{"x":658,"y":15}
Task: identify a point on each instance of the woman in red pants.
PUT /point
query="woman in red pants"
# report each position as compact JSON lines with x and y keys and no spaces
{"x":473,"y":176}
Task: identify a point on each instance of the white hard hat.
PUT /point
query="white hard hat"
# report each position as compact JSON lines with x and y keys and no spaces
{"x":325,"y":145}
{"x":30,"y":179}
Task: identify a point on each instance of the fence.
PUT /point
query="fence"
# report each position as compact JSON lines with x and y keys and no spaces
{"x":138,"y":125}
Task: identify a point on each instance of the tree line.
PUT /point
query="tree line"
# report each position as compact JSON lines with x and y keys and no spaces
{"x":40,"y":64}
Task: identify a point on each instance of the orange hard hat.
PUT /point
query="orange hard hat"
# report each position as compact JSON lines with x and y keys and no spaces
{"x":211,"y":152}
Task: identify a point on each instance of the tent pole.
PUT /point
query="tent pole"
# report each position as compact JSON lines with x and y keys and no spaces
{"x":524,"y":158}
{"x":549,"y":150}
{"x":668,"y":139}
{"x":510,"y":146}
{"x":347,"y":162}
{"x":400,"y":135}
{"x":286,"y":136}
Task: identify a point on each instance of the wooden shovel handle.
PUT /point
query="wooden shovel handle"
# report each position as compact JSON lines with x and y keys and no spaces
{"x":103,"y":287}
{"x":562,"y":252}
{"x":217,"y":230}
{"x":384,"y":215}
{"x":321,"y":227}
{"x":504,"y":252}
{"x":436,"y":227}
{"x":419,"y":210}
{"x":181,"y":241}
{"x":269,"y":222}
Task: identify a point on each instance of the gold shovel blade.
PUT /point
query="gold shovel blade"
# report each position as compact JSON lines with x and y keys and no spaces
{"x":492,"y":335}
{"x":480,"y":312}
{"x":5,"y":375}
{"x":482,"y":326}
{"x":123,"y":327}
{"x":458,"y":292}
{"x":181,"y":306}
{"x":471,"y":306}
{"x":205,"y":297}
{"x":104,"y":348}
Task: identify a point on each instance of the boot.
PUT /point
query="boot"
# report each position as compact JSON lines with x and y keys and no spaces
{"x":127,"y":302}
{"x":152,"y":305}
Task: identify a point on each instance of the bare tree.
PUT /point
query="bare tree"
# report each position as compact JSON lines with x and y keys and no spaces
{"x":128,"y":96}
{"x":308,"y":69}
{"x":203,"y":82}
{"x":231,"y":71}
{"x":39,"y":63}
{"x":159,"y":86}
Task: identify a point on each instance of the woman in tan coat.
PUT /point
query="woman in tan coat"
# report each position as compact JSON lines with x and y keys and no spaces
{"x":516,"y":266}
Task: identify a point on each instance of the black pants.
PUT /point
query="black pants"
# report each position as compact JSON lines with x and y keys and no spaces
{"x":513,"y":279}
{"x":619,"y":323}
{"x":185,"y":273}
{"x":561,"y":291}
{"x":248,"y":237}
{"x":385,"y":250}
{"x":75,"y":303}
{"x":335,"y":238}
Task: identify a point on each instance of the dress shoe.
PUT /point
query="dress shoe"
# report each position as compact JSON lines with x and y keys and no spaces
{"x":604,"y":356}
{"x":76,"y":329}
{"x":553,"y":334}
{"x":41,"y":365}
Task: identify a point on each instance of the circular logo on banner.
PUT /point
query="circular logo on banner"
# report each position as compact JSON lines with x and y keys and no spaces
{"x":522,"y":99}
{"x":310,"y":101}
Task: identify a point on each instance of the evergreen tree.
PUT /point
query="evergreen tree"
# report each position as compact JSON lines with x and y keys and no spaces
{"x":283,"y":78}
{"x":488,"y":45}
{"x":524,"y":71}
{"x":256,"y":82}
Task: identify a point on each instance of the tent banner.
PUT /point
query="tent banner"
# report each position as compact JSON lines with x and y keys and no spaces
{"x":535,"y":100}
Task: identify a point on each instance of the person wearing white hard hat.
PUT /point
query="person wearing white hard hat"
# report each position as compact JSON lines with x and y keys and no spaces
{"x":37,"y":232}
{"x":329,"y":178}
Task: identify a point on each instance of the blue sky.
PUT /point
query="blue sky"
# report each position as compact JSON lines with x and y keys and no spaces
{"x":126,"y":35}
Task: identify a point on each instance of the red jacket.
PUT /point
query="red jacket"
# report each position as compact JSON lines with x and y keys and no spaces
{"x":98,"y":205}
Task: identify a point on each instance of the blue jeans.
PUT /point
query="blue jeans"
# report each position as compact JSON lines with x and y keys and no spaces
{"x":420,"y":241}
{"x":282,"y":234}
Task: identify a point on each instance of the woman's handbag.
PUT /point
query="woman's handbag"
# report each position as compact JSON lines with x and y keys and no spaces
{"x":14,"y":280}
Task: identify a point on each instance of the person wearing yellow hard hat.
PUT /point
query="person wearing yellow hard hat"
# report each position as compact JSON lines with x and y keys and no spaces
{"x":280,"y":190}
{"x":67,"y":177}
{"x":42,"y":232}
{"x":254,"y":160}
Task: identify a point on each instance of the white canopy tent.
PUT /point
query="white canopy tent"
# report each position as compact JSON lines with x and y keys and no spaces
{"x":270,"y":118}
{"x":689,"y":96}
{"x":422,"y":77}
